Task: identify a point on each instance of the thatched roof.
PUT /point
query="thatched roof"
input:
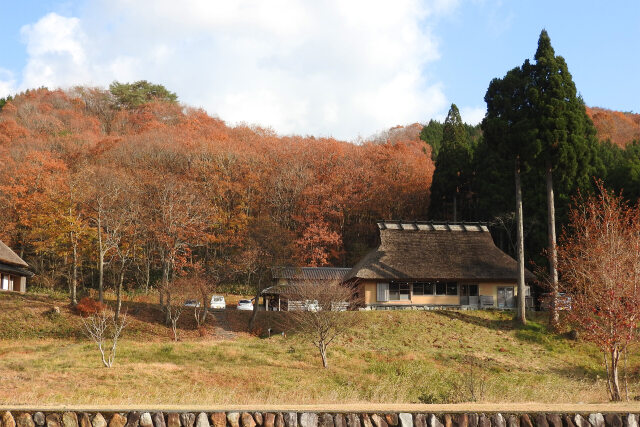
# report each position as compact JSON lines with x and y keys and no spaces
{"x":300,"y":275}
{"x":436,"y":251}
{"x":309,"y":273}
{"x":7,"y":256}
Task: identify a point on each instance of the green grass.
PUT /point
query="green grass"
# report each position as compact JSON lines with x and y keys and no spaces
{"x":392,"y":357}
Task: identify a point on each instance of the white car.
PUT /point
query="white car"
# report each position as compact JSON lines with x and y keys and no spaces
{"x":218,"y":303}
{"x":245,"y":304}
{"x":192,"y":303}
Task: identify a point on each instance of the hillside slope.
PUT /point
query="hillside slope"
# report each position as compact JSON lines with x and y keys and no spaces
{"x":392,"y":357}
{"x":616,"y":126}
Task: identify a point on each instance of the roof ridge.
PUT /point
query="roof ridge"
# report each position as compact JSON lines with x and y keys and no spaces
{"x":403,"y":225}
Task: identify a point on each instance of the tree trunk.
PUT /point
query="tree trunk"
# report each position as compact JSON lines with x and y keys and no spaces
{"x":119,"y":291}
{"x":100,"y":262}
{"x":455,"y":208}
{"x":147,"y":275}
{"x":174,"y":327}
{"x":323,"y":354}
{"x":252,"y":320}
{"x":553,"y":253}
{"x":74,"y":275}
{"x":520,"y":246}
{"x":614,"y":381}
{"x":206,"y":301}
{"x":165,"y":286}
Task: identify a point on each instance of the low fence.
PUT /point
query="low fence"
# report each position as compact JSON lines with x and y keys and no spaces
{"x":311,"y":419}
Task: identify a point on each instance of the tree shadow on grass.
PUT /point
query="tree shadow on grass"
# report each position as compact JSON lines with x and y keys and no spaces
{"x":505,"y":324}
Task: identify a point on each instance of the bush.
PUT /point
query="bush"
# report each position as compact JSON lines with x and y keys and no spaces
{"x":87,"y":306}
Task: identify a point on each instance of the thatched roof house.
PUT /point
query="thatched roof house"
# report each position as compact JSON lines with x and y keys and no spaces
{"x":13,"y":270}
{"x":436,"y":264}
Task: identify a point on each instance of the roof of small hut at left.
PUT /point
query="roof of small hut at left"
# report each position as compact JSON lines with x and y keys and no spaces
{"x":7,"y":256}
{"x":10,"y":261}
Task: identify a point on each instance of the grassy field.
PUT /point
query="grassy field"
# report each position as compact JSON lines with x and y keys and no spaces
{"x":393,"y":357}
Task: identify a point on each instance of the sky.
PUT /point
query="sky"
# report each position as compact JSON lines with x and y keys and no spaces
{"x":341,"y":68}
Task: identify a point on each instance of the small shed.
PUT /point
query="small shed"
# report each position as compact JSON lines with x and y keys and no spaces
{"x":13,"y":270}
{"x":283,"y":276}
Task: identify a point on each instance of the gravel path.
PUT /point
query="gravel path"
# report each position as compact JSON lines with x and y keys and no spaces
{"x":222,"y":327}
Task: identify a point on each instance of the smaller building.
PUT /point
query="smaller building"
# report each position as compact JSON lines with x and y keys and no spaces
{"x":282,"y":277}
{"x":13,"y":270}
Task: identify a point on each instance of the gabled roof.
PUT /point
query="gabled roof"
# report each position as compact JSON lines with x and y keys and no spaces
{"x":436,"y":251}
{"x":309,"y":273}
{"x":7,"y":256}
{"x":298,"y":275}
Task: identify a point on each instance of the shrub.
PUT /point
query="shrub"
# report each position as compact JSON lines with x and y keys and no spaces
{"x":87,"y":307}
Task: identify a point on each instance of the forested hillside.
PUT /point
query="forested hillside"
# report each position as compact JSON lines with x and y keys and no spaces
{"x":150,"y":189}
{"x":615,"y":126}
{"x":131,"y":180}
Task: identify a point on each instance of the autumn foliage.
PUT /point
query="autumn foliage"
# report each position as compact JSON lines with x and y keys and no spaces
{"x":599,"y":264}
{"x":616,"y":126}
{"x":163,"y":186}
{"x":87,"y":306}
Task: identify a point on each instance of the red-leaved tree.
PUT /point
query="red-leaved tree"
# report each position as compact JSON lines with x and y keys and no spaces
{"x":599,"y":263}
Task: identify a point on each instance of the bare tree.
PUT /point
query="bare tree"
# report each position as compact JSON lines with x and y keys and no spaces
{"x":200,"y":288}
{"x":104,"y":329}
{"x":176,"y":291}
{"x":319,"y":311}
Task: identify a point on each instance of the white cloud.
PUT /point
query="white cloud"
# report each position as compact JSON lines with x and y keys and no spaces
{"x":7,"y":83}
{"x":334,"y":67}
{"x":472,"y":115}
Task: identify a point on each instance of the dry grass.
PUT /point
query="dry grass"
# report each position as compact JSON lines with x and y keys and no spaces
{"x":399,"y":357}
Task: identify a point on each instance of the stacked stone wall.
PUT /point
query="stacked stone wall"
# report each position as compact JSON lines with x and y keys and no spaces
{"x":311,"y":419}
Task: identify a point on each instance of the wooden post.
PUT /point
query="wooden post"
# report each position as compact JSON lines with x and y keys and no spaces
{"x":278,"y":302}
{"x":266,"y":303}
{"x":520,"y":245}
{"x":553,"y":252}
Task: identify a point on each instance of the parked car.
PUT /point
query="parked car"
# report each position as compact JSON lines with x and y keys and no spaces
{"x":218,"y":302}
{"x":245,"y":304}
{"x":192,"y":303}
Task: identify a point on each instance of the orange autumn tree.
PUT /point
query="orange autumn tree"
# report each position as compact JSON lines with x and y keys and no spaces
{"x":73,"y":162}
{"x":599,"y":263}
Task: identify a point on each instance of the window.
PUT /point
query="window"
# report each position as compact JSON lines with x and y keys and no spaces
{"x":446,"y":288}
{"x":429,"y":287}
{"x":398,"y":291}
{"x":452,"y":288}
{"x":418,"y":288}
{"x":423,"y":288}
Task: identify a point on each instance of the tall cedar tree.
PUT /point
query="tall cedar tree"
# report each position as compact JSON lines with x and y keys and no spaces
{"x":565,"y":136}
{"x":432,"y":135}
{"x":452,"y":175}
{"x":508,"y":130}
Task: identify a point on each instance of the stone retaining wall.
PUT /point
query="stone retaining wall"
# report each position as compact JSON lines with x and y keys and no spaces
{"x":311,"y":419}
